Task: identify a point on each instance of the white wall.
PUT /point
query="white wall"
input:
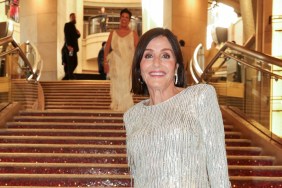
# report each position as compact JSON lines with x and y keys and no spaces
{"x":3,"y":16}
{"x":157,"y":13}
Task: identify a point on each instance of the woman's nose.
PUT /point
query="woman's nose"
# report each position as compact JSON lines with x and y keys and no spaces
{"x":156,"y":62}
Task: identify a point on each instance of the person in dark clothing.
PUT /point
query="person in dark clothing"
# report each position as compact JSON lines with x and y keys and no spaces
{"x":64,"y":53}
{"x":101,"y":61}
{"x":71,"y":43}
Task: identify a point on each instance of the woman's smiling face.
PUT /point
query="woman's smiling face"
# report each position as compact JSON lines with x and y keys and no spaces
{"x":124,"y":19}
{"x":158,"y":64}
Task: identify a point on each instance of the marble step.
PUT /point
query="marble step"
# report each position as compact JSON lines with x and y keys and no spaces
{"x":85,"y":107}
{"x":68,"y":180}
{"x":62,"y":148}
{"x":68,"y":94}
{"x":79,"y":103}
{"x":81,"y":113}
{"x":238,"y":142}
{"x":63,"y":158}
{"x":67,"y":97}
{"x":250,"y":160}
{"x":62,"y":125}
{"x":79,"y":132}
{"x":89,"y":140}
{"x":64,"y":168}
{"x":243,"y":151}
{"x":232,"y":135}
{"x":256,"y":182}
{"x":74,"y":119}
{"x":114,"y":158}
{"x":63,"y":132}
{"x":63,"y":140}
{"x":272,"y":171}
{"x":94,"y":90}
{"x":99,"y":149}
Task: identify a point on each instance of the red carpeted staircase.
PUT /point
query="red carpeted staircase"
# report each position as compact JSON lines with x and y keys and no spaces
{"x":77,"y":141}
{"x":78,"y":149}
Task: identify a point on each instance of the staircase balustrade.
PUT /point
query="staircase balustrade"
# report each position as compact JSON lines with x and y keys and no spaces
{"x":247,"y":81}
{"x":20,"y":69}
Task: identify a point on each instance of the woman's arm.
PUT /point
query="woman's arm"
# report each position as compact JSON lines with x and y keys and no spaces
{"x":136,"y":38}
{"x":106,"y":52}
{"x":214,"y":138}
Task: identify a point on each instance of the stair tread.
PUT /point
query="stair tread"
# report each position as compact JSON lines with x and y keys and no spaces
{"x":64,"y":117}
{"x":13,"y":145}
{"x":54,"y":165}
{"x":255,"y":178}
{"x":2,"y":145}
{"x":22,"y":186}
{"x":113,"y":155}
{"x":263,"y":157}
{"x":10,"y":130}
{"x":80,"y":103}
{"x":255,"y":167}
{"x":63,"y":112}
{"x":69,"y":176}
{"x":237,"y":140}
{"x":108,"y":165}
{"x":247,"y":148}
{"x":65,"y":155}
{"x":62,"y":137}
{"x":67,"y":123}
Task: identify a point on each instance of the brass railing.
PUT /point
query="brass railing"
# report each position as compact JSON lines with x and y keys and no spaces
{"x":20,"y":69}
{"x":248,"y":81}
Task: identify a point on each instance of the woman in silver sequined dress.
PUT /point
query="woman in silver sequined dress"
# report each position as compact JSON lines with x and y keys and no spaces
{"x":175,"y":139}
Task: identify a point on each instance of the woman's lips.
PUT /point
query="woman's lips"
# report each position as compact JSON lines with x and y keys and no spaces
{"x":157,"y":73}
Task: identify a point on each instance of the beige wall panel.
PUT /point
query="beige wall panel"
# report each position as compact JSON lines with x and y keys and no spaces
{"x":48,"y":54}
{"x":47,"y":27}
{"x":28,"y":29}
{"x":189,"y":22}
{"x":46,"y":7}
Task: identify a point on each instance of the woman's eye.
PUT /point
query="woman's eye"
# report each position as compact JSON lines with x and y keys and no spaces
{"x":166,"y":56}
{"x":147,"y":56}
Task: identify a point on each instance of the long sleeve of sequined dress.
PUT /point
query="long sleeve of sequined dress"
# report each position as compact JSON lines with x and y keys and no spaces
{"x":178,"y":143}
{"x":214,"y":137}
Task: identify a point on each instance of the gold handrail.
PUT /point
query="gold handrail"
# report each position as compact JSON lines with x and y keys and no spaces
{"x":9,"y":39}
{"x":246,"y":51}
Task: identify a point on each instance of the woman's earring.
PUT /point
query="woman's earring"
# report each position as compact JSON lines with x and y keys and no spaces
{"x":176,"y":79}
{"x":140,"y":80}
{"x":176,"y":75}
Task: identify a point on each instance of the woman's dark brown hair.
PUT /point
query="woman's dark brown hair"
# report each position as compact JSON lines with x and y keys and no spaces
{"x":138,"y":85}
{"x":127,"y":12}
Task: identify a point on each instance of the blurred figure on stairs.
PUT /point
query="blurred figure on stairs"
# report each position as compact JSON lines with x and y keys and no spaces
{"x":118,"y":57}
{"x":71,"y":42}
{"x":101,"y":61}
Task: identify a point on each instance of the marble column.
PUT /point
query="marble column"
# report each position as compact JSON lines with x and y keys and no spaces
{"x":38,"y":21}
{"x":246,"y":7}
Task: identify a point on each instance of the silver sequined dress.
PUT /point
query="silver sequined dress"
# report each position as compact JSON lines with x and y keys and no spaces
{"x":178,"y":143}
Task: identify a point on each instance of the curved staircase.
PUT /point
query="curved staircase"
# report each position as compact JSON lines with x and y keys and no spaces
{"x":77,"y":141}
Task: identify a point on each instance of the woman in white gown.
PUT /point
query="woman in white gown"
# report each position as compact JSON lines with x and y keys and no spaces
{"x":175,"y":139}
{"x":118,"y":57}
